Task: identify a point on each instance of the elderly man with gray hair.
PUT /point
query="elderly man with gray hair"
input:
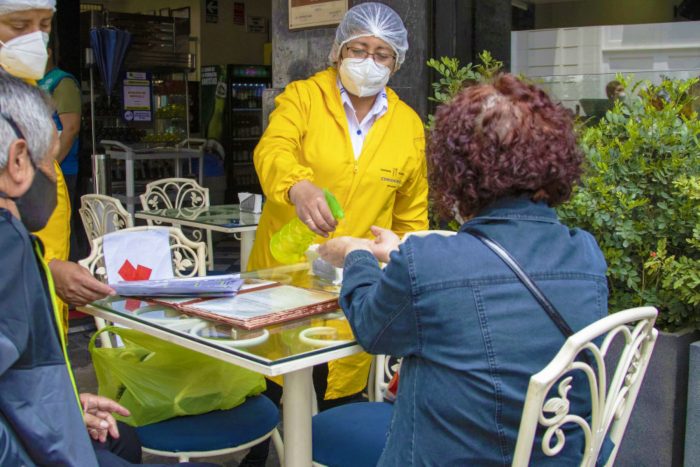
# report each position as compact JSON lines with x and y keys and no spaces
{"x":24,"y":33}
{"x":43,"y":419}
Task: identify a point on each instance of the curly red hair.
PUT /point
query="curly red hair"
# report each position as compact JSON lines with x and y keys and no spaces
{"x":505,"y":138}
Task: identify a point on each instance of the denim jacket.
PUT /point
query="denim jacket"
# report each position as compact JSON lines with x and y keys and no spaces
{"x":471,"y":333}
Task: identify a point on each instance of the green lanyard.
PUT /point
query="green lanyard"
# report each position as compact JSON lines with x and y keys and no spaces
{"x":57,"y":319}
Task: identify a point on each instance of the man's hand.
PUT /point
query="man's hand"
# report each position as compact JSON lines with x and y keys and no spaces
{"x":384,"y":243}
{"x":97,"y":414}
{"x":75,"y":285}
{"x":334,"y":251}
{"x":312,"y":208}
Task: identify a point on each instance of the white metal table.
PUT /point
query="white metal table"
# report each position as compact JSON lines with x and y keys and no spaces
{"x":119,"y":151}
{"x":226,"y":218}
{"x":275,"y":350}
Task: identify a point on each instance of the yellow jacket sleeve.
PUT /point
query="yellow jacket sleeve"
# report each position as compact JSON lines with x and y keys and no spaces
{"x":277,"y":156}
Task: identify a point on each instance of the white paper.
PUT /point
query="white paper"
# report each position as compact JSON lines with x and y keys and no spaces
{"x":211,"y":286}
{"x":149,"y":249}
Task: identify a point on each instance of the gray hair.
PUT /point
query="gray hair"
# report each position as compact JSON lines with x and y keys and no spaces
{"x":32,"y":111}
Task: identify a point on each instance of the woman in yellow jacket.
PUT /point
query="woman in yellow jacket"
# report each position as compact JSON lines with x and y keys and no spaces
{"x":344,"y":130}
{"x":24,"y":30}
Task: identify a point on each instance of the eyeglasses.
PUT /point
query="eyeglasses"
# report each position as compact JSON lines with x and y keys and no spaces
{"x":382,"y":58}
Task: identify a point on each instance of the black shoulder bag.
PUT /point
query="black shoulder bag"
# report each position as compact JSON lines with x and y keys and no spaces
{"x":548,"y":307}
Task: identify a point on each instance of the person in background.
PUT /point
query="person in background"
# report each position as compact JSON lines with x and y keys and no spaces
{"x":64,"y":89}
{"x":344,"y":130}
{"x":24,"y":31}
{"x":43,"y":419}
{"x":614,"y":90}
{"x":501,"y":156}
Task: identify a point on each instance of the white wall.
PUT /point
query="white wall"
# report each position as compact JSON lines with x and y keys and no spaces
{"x":577,"y":62}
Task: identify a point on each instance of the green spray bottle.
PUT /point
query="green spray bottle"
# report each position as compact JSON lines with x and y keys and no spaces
{"x":290,"y":242}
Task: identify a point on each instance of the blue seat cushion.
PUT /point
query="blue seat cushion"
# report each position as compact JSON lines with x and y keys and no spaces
{"x":219,"y":429}
{"x":351,"y":435}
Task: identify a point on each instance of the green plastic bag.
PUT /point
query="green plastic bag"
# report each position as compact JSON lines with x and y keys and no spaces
{"x":157,"y":380}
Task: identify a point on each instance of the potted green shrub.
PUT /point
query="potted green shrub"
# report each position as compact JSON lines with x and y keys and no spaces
{"x":640,"y":198}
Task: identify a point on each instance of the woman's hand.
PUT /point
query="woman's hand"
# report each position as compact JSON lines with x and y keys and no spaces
{"x":312,"y":208}
{"x":97,"y":415}
{"x":75,"y":285}
{"x":384,"y":243}
{"x":334,"y":251}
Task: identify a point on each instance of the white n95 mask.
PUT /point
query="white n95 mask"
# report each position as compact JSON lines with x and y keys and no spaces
{"x":363,"y":77}
{"x":25,"y":56}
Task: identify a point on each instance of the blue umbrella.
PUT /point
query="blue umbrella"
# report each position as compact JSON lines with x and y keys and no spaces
{"x":109,"y":46}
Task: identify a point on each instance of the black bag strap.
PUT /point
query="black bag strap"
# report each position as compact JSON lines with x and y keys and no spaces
{"x":548,"y":307}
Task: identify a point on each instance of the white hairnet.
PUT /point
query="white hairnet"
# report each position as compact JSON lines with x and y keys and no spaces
{"x":10,"y":6}
{"x":371,"y":19}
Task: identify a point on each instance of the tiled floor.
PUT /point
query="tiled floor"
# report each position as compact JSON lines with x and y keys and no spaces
{"x":226,"y":254}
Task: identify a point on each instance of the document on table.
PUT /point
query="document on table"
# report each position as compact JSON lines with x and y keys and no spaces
{"x":253,"y":308}
{"x":211,"y":286}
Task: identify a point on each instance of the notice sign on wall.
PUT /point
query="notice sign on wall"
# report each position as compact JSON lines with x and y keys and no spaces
{"x":313,"y":13}
{"x":256,"y":24}
{"x":137,"y":98}
{"x":211,"y":10}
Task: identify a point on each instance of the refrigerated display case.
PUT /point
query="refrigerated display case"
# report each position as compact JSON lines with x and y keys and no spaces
{"x":246,"y":86}
{"x":231,"y":111}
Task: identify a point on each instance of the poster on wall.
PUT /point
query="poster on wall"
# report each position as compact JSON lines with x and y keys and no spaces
{"x":314,"y":13}
{"x":137,"y":102}
{"x":239,"y":13}
{"x":211,"y":10}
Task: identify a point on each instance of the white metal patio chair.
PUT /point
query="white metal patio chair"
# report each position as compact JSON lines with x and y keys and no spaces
{"x":103,"y":214}
{"x":611,"y":403}
{"x":341,"y":432}
{"x":188,"y":260}
{"x":218,"y":432}
{"x":381,"y":372}
{"x":179,"y":193}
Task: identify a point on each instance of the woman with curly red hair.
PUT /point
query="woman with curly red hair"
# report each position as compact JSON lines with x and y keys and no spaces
{"x":501,"y":155}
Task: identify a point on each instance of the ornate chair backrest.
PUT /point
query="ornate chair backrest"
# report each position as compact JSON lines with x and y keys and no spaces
{"x":174,"y":193}
{"x":188,"y":261}
{"x":103,"y":214}
{"x":611,"y":404}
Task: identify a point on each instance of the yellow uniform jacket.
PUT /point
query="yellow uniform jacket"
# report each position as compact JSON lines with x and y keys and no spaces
{"x":308,"y":139}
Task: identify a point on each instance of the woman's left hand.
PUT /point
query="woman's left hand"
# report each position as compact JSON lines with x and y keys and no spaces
{"x":97,"y":414}
{"x":334,"y":251}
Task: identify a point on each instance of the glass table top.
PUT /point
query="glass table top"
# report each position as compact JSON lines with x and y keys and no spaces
{"x":270,"y":345}
{"x":224,"y":215}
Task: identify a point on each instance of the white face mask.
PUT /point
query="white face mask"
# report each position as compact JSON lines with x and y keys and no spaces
{"x":363,"y":77}
{"x":25,"y":56}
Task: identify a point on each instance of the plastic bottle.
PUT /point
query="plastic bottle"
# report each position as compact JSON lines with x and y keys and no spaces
{"x":215,"y":128}
{"x":289,"y":243}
